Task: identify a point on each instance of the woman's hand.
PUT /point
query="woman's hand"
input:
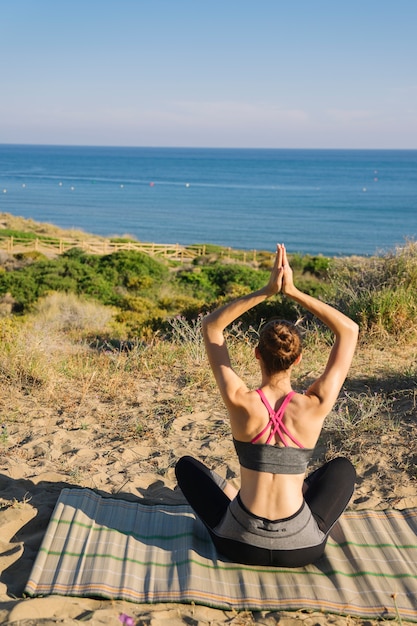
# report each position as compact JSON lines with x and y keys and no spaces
{"x":287,"y":274}
{"x":275,"y":282}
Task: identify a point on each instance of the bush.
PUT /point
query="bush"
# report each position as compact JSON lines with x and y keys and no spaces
{"x":318,"y":266}
{"x":104,"y":278}
{"x":143,"y":288}
{"x":197,"y":282}
{"x":128,"y":267}
{"x":9,"y":232}
{"x":214,"y":281}
{"x":226,"y":276}
{"x":61,"y":311}
{"x":187,"y":306}
{"x":380,"y":293}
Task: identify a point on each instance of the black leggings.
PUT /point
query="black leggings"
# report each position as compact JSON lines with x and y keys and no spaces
{"x":328,"y":491}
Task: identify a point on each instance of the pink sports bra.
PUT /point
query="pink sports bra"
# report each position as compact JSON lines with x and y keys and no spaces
{"x":267,"y":457}
{"x":275,"y":423}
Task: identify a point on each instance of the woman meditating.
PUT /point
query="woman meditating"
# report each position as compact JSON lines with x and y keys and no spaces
{"x":278,"y":517}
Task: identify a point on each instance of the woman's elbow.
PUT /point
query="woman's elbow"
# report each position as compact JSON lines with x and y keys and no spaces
{"x":354,"y":328}
{"x":205,"y":324}
{"x":349,"y":331}
{"x":353,"y":331}
{"x":208,"y":327}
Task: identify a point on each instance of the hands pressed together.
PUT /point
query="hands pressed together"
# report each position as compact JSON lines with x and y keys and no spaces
{"x":281,"y":278}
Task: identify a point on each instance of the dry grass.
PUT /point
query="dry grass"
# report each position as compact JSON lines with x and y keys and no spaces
{"x":14,"y":222}
{"x":50,"y":366}
{"x":116,"y":416}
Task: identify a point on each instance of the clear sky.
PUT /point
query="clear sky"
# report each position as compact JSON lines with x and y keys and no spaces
{"x":226,"y":73}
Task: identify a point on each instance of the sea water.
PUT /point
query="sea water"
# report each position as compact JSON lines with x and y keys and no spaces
{"x":331,"y":202}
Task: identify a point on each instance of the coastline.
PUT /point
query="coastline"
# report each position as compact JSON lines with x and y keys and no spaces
{"x":332,"y":203}
{"x":57,"y":239}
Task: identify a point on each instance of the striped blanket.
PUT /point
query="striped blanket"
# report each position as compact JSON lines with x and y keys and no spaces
{"x":112,"y":548}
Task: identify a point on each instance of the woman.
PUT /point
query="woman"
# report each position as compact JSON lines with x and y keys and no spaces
{"x":278,"y":517}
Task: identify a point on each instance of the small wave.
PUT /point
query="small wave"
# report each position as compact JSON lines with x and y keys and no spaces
{"x":155,"y":181}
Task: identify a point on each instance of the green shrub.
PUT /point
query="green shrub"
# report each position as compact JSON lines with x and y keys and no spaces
{"x":278,"y":307}
{"x":104,"y":278}
{"x":379,"y":293}
{"x":317,"y":265}
{"x":141,"y":323}
{"x":126,"y":266}
{"x":145,"y":290}
{"x":31,"y":256}
{"x":213,"y":281}
{"x":9,"y":232}
{"x":197,"y":282}
{"x":181,"y":304}
{"x":223,"y":276}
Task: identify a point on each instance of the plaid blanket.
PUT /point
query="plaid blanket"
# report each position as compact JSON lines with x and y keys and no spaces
{"x":96,"y":546}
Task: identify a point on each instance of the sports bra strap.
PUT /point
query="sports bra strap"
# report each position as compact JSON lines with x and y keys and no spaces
{"x":275,"y":422}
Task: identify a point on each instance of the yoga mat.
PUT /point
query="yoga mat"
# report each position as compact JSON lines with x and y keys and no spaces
{"x":111,"y":548}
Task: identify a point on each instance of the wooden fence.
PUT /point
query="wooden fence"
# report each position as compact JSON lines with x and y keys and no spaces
{"x":52,"y":246}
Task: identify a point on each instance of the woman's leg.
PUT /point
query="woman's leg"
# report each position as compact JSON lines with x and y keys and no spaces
{"x":202,"y":489}
{"x":328,"y":491}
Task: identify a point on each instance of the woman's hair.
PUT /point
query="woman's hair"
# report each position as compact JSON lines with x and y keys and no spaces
{"x":279,"y":345}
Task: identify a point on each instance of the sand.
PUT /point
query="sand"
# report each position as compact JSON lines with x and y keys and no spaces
{"x":58,"y":444}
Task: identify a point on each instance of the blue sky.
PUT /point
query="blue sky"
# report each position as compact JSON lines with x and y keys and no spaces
{"x":225,"y":73}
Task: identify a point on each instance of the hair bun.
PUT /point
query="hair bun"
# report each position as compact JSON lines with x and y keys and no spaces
{"x":279,"y":345}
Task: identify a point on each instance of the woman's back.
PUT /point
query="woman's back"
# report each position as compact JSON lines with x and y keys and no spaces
{"x":274,"y":443}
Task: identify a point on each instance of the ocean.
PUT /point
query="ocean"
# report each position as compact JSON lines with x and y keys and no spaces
{"x":330,"y":202}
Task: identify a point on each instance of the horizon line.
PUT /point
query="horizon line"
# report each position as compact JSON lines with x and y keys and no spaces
{"x":160,"y":147}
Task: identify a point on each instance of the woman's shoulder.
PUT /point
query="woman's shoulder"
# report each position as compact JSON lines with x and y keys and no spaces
{"x":304,"y":401}
{"x":247,"y":398}
{"x":304,"y":415}
{"x":246,"y":412}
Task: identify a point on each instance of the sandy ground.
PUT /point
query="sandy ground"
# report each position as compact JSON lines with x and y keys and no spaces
{"x":56,"y":446}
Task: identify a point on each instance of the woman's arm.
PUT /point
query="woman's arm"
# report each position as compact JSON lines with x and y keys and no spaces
{"x":326,"y":388}
{"x":229,"y":383}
